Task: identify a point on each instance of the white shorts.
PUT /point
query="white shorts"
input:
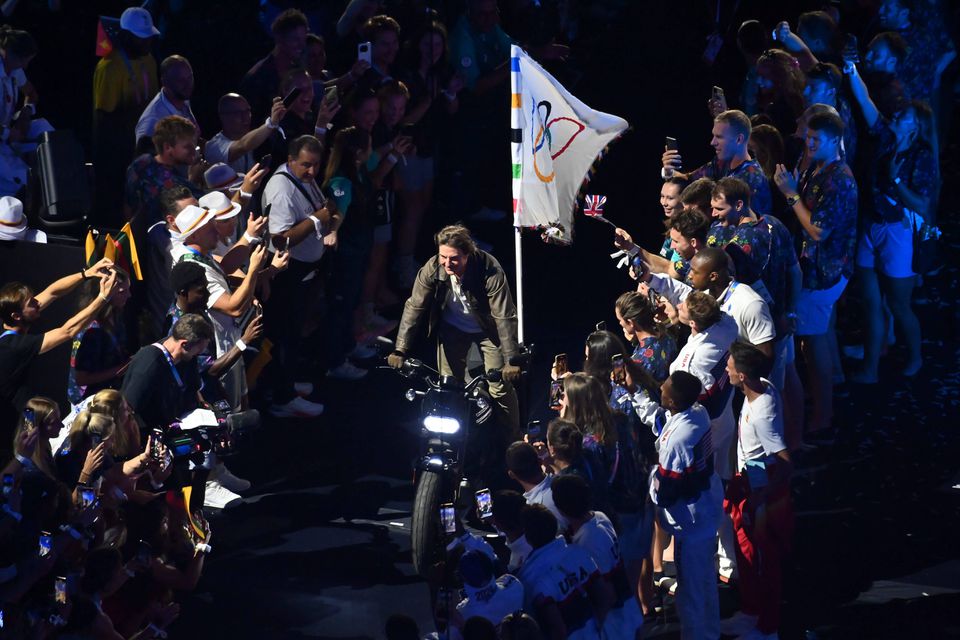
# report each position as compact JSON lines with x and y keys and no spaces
{"x":814,"y":308}
{"x":887,"y":247}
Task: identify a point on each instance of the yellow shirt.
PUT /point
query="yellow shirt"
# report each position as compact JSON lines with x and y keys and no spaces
{"x":119,"y":85}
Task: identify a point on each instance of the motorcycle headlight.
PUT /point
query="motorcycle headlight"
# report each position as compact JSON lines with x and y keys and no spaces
{"x":441,"y":424}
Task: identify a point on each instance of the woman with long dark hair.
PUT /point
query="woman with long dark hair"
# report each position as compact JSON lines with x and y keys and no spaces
{"x":653,"y":348}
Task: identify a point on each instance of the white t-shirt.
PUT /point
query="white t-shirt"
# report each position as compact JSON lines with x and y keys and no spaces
{"x":560,"y":574}
{"x":761,"y":427}
{"x":218,"y":150}
{"x":598,"y":538}
{"x":498,"y":599}
{"x":457,"y":311}
{"x":520,"y":549}
{"x":289,"y":206}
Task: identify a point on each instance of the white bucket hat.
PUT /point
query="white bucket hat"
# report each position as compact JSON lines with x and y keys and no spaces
{"x":223,"y":208}
{"x":13,"y":224}
{"x":222,"y":176}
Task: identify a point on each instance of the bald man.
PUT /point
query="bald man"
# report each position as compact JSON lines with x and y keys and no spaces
{"x":235,"y":143}
{"x":173,"y":99}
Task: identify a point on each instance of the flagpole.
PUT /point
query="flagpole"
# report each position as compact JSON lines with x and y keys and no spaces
{"x":518,"y":256}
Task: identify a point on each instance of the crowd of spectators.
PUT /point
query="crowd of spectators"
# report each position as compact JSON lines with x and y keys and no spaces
{"x":271,"y":248}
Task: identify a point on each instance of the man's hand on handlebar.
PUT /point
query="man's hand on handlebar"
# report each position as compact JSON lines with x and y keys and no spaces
{"x":510,"y":373}
{"x":396,"y":359}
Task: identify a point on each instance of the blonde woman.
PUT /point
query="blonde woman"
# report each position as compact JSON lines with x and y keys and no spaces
{"x":46,"y":421}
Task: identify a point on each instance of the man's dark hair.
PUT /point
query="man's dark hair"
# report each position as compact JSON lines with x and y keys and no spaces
{"x":13,"y":296}
{"x":829,"y":123}
{"x":539,"y":525}
{"x":479,"y":628}
{"x":686,"y":388}
{"x":170,"y":196}
{"x":400,"y":626}
{"x":306,"y":142}
{"x":572,"y":495}
{"x":736,"y":120}
{"x":17,"y":43}
{"x":288,"y":21}
{"x":703,"y":309}
{"x":731,"y":189}
{"x":506,"y":507}
{"x":825,"y":72}
{"x":193,"y":328}
{"x":186,"y":274}
{"x":714,"y":259}
{"x":313,"y":38}
{"x":752,"y":37}
{"x":817,"y":25}
{"x":458,"y":237}
{"x":522,"y":460}
{"x":519,"y":626}
{"x":691,"y":223}
{"x":169,"y":63}
{"x":171,"y":129}
{"x":898,"y":46}
{"x":749,"y":360}
{"x":697,"y":194}
{"x":376,"y":25}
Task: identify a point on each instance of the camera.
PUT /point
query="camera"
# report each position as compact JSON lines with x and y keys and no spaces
{"x":220,"y":438}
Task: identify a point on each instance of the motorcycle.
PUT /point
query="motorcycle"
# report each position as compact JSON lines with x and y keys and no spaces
{"x":456,"y":453}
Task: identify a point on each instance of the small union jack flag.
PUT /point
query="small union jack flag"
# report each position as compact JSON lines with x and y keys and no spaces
{"x":593,"y":205}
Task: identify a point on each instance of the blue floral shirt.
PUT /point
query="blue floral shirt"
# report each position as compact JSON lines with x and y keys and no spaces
{"x":831,"y":197}
{"x":750,"y":172}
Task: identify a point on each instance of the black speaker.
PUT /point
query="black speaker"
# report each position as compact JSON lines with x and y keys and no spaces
{"x":64,"y":180}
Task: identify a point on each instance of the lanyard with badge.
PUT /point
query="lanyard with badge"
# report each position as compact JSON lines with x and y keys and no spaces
{"x":724,"y":301}
{"x":173,"y":367}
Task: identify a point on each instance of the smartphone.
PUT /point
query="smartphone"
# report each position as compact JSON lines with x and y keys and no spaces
{"x":484,"y":504}
{"x":60,"y":590}
{"x":280,"y":243}
{"x":718,"y":93}
{"x":851,"y":49}
{"x":618,"y":371}
{"x":291,"y":97}
{"x":331,"y":94}
{"x":7,"y":484}
{"x":534,"y":431}
{"x":653,"y":298}
{"x":156,"y":444}
{"x":46,"y":544}
{"x":601,"y":326}
{"x":265,"y":161}
{"x":29,"y":419}
{"x":560,"y":364}
{"x":671,"y":143}
{"x":364,"y":52}
{"x":87,"y":496}
{"x":556,"y":394}
{"x":448,"y":517}
{"x":95,"y":439}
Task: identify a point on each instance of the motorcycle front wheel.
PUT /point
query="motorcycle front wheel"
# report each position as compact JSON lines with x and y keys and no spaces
{"x":426,"y":536}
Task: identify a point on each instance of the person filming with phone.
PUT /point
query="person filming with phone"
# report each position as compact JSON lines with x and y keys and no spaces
{"x":465,"y":297}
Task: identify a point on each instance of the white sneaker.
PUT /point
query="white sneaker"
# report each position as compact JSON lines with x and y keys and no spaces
{"x":363,"y":351}
{"x":231,"y":482}
{"x":218,"y":496}
{"x":347,"y":371}
{"x":297,"y":408}
{"x":303,"y":389}
{"x":737,"y":624}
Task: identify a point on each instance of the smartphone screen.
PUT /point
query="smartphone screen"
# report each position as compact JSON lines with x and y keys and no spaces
{"x":331,"y":94}
{"x":87,"y":496}
{"x":602,"y":325}
{"x":448,"y":517}
{"x":291,"y":97}
{"x":7,"y":483}
{"x":618,"y":372}
{"x":671,"y":143}
{"x":30,"y":419}
{"x":363,"y":52}
{"x":60,"y":590}
{"x":717,"y":92}
{"x":556,"y":394}
{"x":46,"y":544}
{"x":560,"y":364}
{"x":156,"y":444}
{"x":484,"y":504}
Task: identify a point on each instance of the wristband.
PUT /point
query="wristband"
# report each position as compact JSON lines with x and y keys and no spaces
{"x":320,"y":131}
{"x":245,"y":195}
{"x":83,"y":274}
{"x":392,"y":158}
{"x":249,"y":238}
{"x":203,"y":548}
{"x":270,"y":124}
{"x":240,"y":344}
{"x":897,"y":180}
{"x":157,"y":631}
{"x":793,"y":200}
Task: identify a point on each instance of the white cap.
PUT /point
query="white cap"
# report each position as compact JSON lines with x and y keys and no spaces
{"x":138,"y":21}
